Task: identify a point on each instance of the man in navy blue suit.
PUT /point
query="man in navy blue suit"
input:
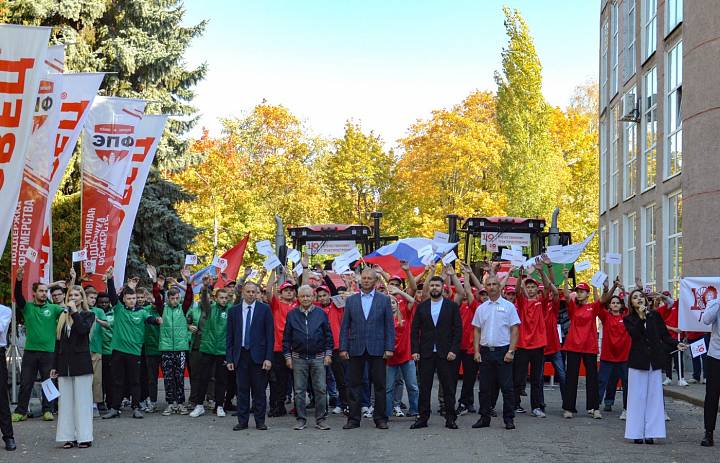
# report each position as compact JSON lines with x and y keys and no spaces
{"x":367,"y":337}
{"x":250,"y":341}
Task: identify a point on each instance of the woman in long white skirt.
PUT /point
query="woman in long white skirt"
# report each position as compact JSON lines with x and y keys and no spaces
{"x":73,"y":368}
{"x":651,"y":344}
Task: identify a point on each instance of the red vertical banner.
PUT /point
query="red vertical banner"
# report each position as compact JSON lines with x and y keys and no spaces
{"x":109,"y":138}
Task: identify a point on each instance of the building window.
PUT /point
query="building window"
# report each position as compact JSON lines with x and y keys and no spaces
{"x":604,"y":64}
{"x":674,"y":14}
{"x":629,"y":237}
{"x":603,"y":247}
{"x":630,"y":144}
{"x":649,"y":121}
{"x":614,"y":161}
{"x":649,"y":14}
{"x":614,"y":246}
{"x":603,"y":167}
{"x":673,"y":113}
{"x":673,"y":242}
{"x":614,"y":36}
{"x":629,"y":38}
{"x":648,"y":245}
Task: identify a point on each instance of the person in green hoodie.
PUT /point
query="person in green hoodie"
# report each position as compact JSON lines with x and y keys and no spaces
{"x":173,"y":343}
{"x":40,"y":320}
{"x":126,"y":345}
{"x":212,"y":345}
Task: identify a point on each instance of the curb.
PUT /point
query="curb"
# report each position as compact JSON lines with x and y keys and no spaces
{"x":684,"y":397}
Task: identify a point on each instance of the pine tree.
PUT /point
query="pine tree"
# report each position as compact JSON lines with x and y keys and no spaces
{"x":142,"y":42}
{"x":532,"y":168}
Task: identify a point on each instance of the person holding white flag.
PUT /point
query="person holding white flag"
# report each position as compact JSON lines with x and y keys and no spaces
{"x":712,"y":372}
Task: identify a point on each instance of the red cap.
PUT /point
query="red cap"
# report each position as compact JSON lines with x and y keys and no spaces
{"x":323,"y":288}
{"x":482,"y":290}
{"x":532,"y":280}
{"x":286,"y":285}
{"x":509,"y":289}
{"x":584,"y":286}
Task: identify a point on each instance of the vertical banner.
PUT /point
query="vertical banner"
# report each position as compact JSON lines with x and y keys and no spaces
{"x":22,"y":52}
{"x":109,"y":137}
{"x":148,"y":135}
{"x":79,"y":91}
{"x":696,"y":293}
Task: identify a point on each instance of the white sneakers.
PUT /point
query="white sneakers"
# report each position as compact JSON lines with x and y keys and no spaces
{"x":667,"y":382}
{"x":397,"y":411}
{"x":682,"y":382}
{"x":623,"y":415}
{"x":567,"y":414}
{"x":219,"y":411}
{"x":199,"y":410}
{"x":169,"y":410}
{"x":367,"y":412}
{"x":538,"y":413}
{"x":336,"y":411}
{"x":597,"y":415}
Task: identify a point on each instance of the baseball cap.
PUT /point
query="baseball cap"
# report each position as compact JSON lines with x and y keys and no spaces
{"x":397,"y":277}
{"x":323,"y":288}
{"x":510,"y":289}
{"x":286,"y":285}
{"x":582,"y":285}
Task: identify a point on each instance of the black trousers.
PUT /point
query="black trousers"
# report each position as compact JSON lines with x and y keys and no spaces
{"x":230,"y":389}
{"x":279,"y":381}
{"x":376,"y":373}
{"x":5,"y":421}
{"x":211,"y":366}
{"x":494,"y":370}
{"x":447,"y":374}
{"x":149,"y":366}
{"x":712,"y":392}
{"x":470,"y":372}
{"x":251,"y":379}
{"x":338,"y":369}
{"x":592,"y":396}
{"x":107,"y":379}
{"x":194,"y":370}
{"x":125,"y":370}
{"x":536,"y":359}
{"x":33,"y":362}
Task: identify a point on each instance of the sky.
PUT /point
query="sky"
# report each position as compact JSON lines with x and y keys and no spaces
{"x":382,"y":63}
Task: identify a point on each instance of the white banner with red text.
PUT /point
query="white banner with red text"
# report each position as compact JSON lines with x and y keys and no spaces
{"x":696,"y":293}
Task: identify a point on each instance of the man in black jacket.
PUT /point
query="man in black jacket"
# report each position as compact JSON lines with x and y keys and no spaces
{"x":435,"y":343}
{"x":307,"y":347}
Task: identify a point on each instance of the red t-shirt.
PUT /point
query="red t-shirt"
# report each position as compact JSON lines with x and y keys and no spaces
{"x":582,"y":336}
{"x":552,"y":308}
{"x":467,"y":312}
{"x":280,"y":310}
{"x":532,"y":327}
{"x":615,"y":338}
{"x":402,"y":352}
{"x":335,"y":316}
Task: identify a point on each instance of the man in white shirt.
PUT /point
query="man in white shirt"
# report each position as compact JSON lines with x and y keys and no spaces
{"x":5,"y":422}
{"x":496,"y":325}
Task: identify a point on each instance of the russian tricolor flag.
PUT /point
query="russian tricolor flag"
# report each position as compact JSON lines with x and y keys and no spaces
{"x":409,"y":250}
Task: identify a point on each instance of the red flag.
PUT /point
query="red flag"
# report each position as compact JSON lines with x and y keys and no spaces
{"x":234,"y":257}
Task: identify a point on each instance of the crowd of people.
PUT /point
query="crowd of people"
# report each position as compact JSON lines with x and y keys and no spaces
{"x":350,"y":349}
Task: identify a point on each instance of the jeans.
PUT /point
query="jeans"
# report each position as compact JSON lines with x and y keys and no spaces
{"x":409,"y":375}
{"x":307,"y":371}
{"x":608,"y":376}
{"x":493,"y":369}
{"x":331,"y":385}
{"x":558,"y":364}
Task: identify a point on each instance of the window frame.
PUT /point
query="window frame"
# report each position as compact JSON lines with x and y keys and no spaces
{"x":614,"y":165}
{"x":671,"y":91}
{"x":630,"y":39}
{"x":614,"y":50}
{"x":603,"y":165}
{"x":629,"y":248}
{"x":649,"y":28}
{"x":649,"y":110}
{"x":672,"y":268}
{"x":646,"y":269}
{"x":630,"y":137}
{"x":670,"y":27}
{"x":604,"y":44}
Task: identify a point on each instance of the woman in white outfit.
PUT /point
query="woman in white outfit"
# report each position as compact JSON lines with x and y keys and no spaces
{"x":73,"y":368}
{"x":649,"y":351}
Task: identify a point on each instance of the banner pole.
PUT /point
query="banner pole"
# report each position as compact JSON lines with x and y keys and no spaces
{"x":14,"y":354}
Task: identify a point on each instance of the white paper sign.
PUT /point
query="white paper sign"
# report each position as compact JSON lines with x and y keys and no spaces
{"x":582,"y":266}
{"x":253,"y":274}
{"x":613,"y":258}
{"x":340,"y":265}
{"x":428,"y":260}
{"x":271,"y":263}
{"x":265,"y":248}
{"x":516,"y":248}
{"x":298,"y":270}
{"x":191,"y":259}
{"x":449,"y":258}
{"x":339,"y":301}
{"x":79,"y":256}
{"x":598,"y":279}
{"x":49,"y":389}
{"x":293,"y":256}
{"x":90,"y":265}
{"x":31,"y":254}
{"x":698,"y":348}
{"x":441,"y":237}
{"x":507,"y":254}
{"x":352,"y":255}
{"x":219,"y":262}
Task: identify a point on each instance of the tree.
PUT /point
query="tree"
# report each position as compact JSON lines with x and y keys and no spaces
{"x":450,"y":164}
{"x":142,"y":42}
{"x":355,"y":176}
{"x":532,"y":169}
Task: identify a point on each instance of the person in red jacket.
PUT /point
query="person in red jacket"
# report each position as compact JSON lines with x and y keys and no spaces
{"x":401,"y":363}
{"x":467,"y":353}
{"x":615,"y":350}
{"x":581,"y":344}
{"x":552,"y":348}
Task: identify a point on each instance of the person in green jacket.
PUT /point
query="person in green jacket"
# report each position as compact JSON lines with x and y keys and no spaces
{"x":212,"y":345}
{"x":127,"y":340}
{"x":196,"y":323}
{"x":40,"y":320}
{"x":173,"y":343}
{"x":96,"y":340}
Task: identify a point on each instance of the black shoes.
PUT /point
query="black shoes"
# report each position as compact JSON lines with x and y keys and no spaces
{"x":638,"y":441}
{"x":381,"y":424}
{"x":509,"y":425}
{"x":240,"y":427}
{"x":10,"y":444}
{"x":419,"y":424}
{"x":451,"y":424}
{"x":351,"y":424}
{"x":261,"y":427}
{"x":482,"y":423}
{"x":707,"y":440}
{"x":649,"y":441}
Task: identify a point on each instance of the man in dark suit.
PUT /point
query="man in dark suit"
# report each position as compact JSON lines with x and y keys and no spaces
{"x":367,"y":337}
{"x":435,"y":342}
{"x":250,"y":341}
